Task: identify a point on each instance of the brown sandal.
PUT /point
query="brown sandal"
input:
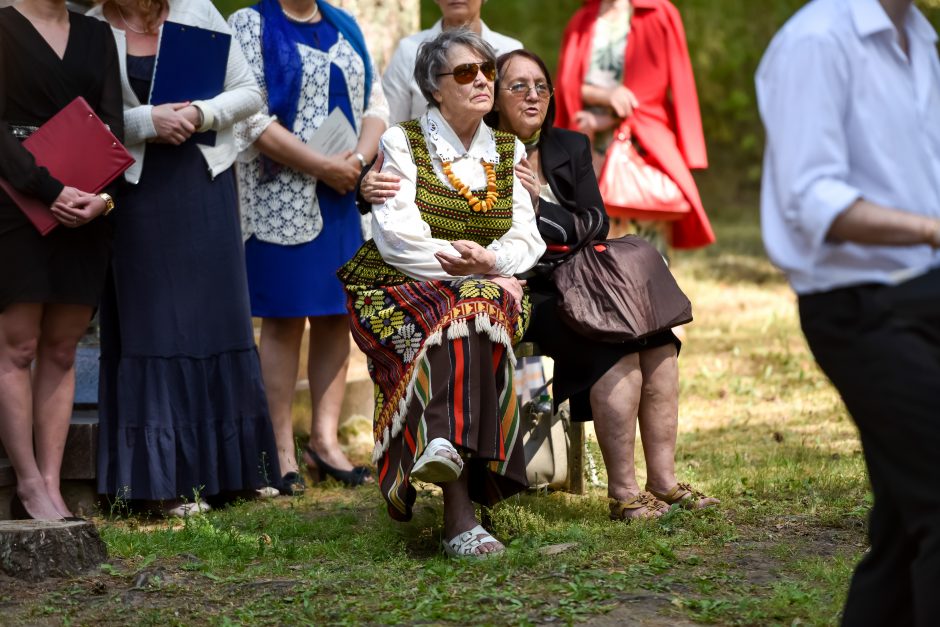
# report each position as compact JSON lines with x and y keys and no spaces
{"x":642,"y":501}
{"x":686,"y":496}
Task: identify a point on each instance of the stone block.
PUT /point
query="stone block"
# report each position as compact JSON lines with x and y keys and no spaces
{"x":81,"y":446}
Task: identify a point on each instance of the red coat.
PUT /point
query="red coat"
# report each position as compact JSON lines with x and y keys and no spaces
{"x":658,"y":71}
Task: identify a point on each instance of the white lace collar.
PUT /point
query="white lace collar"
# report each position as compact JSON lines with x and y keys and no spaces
{"x":444,"y":141}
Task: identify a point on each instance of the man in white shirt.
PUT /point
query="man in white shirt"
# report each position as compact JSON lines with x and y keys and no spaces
{"x":401,"y":90}
{"x":849,"y":92}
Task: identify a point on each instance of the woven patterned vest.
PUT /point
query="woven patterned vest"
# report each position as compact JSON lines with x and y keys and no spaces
{"x":445,"y":210}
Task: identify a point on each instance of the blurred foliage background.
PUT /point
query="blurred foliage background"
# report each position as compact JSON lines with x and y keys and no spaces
{"x":726,"y":40}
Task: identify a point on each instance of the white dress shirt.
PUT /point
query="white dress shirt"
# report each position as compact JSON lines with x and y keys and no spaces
{"x":405,"y":240}
{"x":848,"y":116}
{"x":404,"y":98}
{"x":240,"y":98}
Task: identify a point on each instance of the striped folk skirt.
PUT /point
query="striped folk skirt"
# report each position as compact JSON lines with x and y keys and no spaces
{"x":440,"y":355}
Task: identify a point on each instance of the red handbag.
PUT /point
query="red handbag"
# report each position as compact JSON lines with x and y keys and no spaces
{"x":633,"y":188}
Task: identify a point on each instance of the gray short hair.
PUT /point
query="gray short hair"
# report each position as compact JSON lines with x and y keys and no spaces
{"x":432,"y":57}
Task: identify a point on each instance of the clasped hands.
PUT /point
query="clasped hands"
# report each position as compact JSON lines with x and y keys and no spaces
{"x":175,"y":122}
{"x":74,"y":207}
{"x":474,"y":259}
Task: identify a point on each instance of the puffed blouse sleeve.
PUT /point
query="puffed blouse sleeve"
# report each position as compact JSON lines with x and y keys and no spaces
{"x":405,"y":240}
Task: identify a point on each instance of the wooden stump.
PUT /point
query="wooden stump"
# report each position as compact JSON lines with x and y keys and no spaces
{"x":36,"y":549}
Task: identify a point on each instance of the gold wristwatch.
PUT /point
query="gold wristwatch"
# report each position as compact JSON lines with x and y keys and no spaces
{"x":108,"y":203}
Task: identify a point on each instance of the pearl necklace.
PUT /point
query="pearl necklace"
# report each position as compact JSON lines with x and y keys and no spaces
{"x":297,"y":18}
{"x":475,"y":203}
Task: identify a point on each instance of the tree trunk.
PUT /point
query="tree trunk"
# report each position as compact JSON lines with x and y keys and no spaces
{"x":383,"y":23}
{"x":33,"y":550}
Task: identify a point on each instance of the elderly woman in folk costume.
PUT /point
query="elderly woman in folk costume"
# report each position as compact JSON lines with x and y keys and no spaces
{"x":433,"y":301}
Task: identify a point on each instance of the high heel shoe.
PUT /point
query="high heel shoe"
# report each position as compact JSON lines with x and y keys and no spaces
{"x":351,"y":478}
{"x":18,"y":510}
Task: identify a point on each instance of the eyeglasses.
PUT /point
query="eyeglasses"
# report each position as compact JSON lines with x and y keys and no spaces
{"x":521,"y":90}
{"x":466,"y":72}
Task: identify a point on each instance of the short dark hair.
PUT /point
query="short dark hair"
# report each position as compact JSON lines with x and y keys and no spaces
{"x":432,"y":57}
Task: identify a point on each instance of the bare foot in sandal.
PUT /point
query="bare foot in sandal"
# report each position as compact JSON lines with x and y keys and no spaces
{"x":439,"y":463}
{"x":686,"y":496}
{"x":642,"y":506}
{"x":475,"y":543}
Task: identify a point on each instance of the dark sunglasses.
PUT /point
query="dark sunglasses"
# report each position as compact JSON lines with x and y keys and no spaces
{"x":466,"y":72}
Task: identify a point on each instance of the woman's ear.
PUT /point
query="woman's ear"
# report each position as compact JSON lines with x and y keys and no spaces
{"x":437,"y":96}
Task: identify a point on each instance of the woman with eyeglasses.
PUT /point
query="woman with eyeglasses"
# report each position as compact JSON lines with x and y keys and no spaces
{"x":434,"y":302}
{"x":612,"y":384}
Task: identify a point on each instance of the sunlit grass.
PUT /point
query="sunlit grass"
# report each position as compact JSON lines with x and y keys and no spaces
{"x":760,"y":428}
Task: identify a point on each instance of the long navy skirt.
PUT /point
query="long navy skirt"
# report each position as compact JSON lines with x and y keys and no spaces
{"x":182,"y":405}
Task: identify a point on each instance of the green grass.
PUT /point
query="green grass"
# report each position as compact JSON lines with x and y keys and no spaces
{"x":760,"y":428}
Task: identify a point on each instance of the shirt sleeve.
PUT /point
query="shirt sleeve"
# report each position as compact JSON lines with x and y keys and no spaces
{"x":378,"y":103}
{"x":405,"y":240}
{"x":241,"y":96}
{"x":396,"y":84}
{"x":803,"y":95}
{"x":521,"y":246}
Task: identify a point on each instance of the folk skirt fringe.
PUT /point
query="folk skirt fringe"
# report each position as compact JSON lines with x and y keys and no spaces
{"x":440,"y":355}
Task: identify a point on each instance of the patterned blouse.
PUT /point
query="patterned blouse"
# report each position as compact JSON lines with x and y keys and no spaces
{"x":286,"y":210}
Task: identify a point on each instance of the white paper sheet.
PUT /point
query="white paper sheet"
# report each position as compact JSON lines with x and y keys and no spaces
{"x":334,"y":136}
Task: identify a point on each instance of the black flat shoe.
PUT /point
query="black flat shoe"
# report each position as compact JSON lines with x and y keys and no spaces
{"x":292,"y":484}
{"x":351,"y":478}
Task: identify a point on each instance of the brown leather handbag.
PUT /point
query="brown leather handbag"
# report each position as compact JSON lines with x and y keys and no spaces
{"x":618,"y":290}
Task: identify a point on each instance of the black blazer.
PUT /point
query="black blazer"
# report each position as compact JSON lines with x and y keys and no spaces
{"x":566,"y":164}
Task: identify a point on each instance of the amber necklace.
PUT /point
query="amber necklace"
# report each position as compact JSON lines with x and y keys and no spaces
{"x":475,"y":203}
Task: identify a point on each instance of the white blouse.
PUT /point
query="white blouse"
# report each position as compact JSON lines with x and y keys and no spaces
{"x":405,"y":240}
{"x":286,"y":210}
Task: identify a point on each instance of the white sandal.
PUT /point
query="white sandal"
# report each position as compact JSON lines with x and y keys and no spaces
{"x":185,"y":510}
{"x":434,"y":466}
{"x":466,"y":543}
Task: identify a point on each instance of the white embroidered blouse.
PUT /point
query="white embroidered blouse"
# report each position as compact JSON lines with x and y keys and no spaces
{"x":286,"y":210}
{"x":405,"y":240}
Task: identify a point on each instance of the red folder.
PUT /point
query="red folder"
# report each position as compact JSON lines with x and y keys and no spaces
{"x":78,"y":150}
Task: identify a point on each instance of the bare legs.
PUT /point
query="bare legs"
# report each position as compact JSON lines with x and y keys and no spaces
{"x":327,"y":364}
{"x":460,"y":514}
{"x":615,"y":398}
{"x":279,"y":352}
{"x":38,"y":410}
{"x":659,"y":415}
{"x":644,"y":384}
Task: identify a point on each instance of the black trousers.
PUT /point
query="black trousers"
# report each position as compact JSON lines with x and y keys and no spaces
{"x":880,"y":347}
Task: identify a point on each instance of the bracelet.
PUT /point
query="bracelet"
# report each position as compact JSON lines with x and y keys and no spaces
{"x":108,"y":203}
{"x":362,"y":160}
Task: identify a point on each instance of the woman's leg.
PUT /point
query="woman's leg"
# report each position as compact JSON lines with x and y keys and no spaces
{"x":460,"y":513}
{"x":659,"y":423}
{"x":659,"y":415}
{"x":327,"y":364}
{"x":279,"y":351}
{"x":615,"y":398}
{"x":54,"y":389}
{"x":19,"y":340}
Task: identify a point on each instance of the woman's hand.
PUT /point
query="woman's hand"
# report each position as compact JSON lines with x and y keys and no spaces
{"x":174,"y":124}
{"x":529,"y":181}
{"x":340,"y":171}
{"x":623,"y":102}
{"x":74,"y":208}
{"x":473,"y":259}
{"x":377,"y":187}
{"x":512,"y":285}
